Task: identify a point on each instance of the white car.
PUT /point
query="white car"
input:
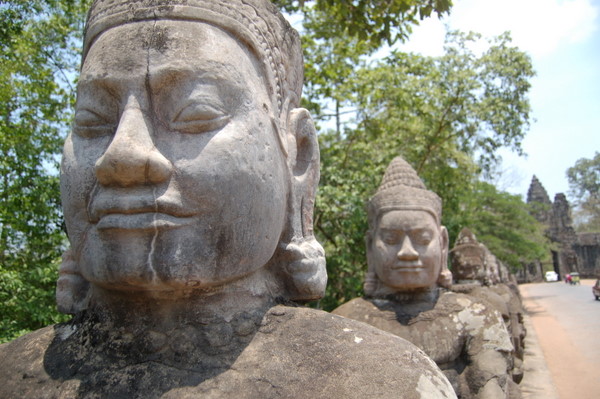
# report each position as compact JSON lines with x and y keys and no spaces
{"x":551,"y":276}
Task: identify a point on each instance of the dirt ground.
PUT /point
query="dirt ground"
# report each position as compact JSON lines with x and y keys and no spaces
{"x":572,"y":374}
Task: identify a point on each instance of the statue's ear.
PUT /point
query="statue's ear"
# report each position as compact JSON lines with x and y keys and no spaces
{"x":369,"y":249}
{"x":445,"y":277}
{"x":371,"y":282}
{"x":444,"y":243}
{"x":303,"y":256}
{"x":303,"y":161}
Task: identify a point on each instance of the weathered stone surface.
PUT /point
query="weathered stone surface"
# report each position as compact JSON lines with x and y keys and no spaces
{"x":188,"y":186}
{"x":587,"y":249}
{"x":294,"y":353}
{"x":407,"y":250}
{"x":537,"y":192}
{"x":467,"y":340}
{"x":502,"y":299}
{"x":485,"y":278}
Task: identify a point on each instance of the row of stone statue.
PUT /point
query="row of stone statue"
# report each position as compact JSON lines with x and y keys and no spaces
{"x":188,"y":183}
{"x":473,"y":329}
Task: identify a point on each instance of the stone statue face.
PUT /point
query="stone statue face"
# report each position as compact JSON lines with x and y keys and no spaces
{"x":173,"y":176}
{"x":469,"y":265}
{"x":408,"y":249}
{"x":469,"y":269}
{"x":492,"y":268}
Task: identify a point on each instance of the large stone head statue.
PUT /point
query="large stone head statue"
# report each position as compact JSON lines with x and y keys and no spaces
{"x":407,"y":247}
{"x":190,"y":167}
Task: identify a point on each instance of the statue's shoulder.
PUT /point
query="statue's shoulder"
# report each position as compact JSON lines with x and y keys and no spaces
{"x":22,"y":363}
{"x":458,"y":301}
{"x":296,"y":352}
{"x":355,"y":308}
{"x":481,"y":320}
{"x":27,"y":348}
{"x":340,"y":357}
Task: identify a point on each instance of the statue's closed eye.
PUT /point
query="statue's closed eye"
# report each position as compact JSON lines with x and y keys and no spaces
{"x":89,"y":124}
{"x":391,"y":237}
{"x":422,"y":237}
{"x":199,"y":117}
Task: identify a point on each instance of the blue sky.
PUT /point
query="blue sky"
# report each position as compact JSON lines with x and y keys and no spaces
{"x":563,"y":39}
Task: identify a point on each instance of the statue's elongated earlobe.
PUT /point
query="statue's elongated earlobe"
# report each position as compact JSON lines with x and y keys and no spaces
{"x":302,"y":255}
{"x":305,"y":266}
{"x":72,"y":290}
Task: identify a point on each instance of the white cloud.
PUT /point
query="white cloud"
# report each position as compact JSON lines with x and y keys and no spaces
{"x":427,"y":38}
{"x":538,"y":26}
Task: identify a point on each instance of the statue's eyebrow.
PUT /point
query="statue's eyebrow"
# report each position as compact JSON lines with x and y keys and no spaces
{"x":211,"y":71}
{"x":413,"y":228}
{"x":92,"y":87}
{"x":391,"y":230}
{"x":100,"y":83}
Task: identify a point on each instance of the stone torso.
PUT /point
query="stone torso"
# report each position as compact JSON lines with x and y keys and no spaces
{"x":288,"y":353}
{"x":506,"y":301}
{"x":467,"y":341}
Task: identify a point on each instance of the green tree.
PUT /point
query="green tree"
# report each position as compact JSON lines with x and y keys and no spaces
{"x":38,"y":41}
{"x":584,"y":184}
{"x":339,"y":36}
{"x":504,"y":223}
{"x":373,"y":21}
{"x":446,"y":115}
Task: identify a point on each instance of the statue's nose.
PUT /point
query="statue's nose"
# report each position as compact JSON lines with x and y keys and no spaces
{"x":132,"y":158}
{"x":407,"y":251}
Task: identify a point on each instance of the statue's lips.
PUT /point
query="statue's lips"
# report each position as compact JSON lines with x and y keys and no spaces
{"x":408,"y":266}
{"x":137,"y":213}
{"x":141,"y":221}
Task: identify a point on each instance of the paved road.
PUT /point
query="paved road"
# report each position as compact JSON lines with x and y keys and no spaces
{"x":566,"y":320}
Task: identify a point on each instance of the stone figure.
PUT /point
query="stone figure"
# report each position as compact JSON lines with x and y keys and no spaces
{"x":188,"y":184}
{"x":492,"y":268}
{"x":405,"y":289}
{"x":468,"y":259}
{"x":474,"y":265}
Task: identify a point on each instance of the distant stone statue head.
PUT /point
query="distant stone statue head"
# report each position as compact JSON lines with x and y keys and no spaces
{"x":190,"y":166}
{"x":407,"y":247}
{"x":492,"y":268}
{"x":468,"y":257}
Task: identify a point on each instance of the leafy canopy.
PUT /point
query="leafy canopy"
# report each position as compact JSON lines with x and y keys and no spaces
{"x":373,"y":21}
{"x":584,"y":183}
{"x":38,"y":61}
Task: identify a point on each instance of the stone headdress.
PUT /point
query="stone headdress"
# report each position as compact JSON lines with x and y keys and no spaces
{"x":257,"y":23}
{"x":466,"y":245}
{"x":466,"y":237}
{"x":401,"y":188}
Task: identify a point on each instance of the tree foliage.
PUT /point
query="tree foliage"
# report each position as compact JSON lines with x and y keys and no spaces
{"x":372,"y":21}
{"x":584,"y":183}
{"x":505,"y":224}
{"x":37,"y":64}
